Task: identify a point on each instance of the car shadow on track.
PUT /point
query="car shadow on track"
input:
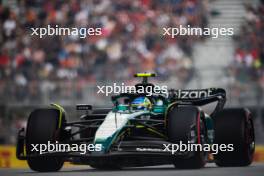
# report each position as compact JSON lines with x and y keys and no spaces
{"x":132,"y":169}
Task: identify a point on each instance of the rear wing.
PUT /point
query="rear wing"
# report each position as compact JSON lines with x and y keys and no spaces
{"x":199,"y":97}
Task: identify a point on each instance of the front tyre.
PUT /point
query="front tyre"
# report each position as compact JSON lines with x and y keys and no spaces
{"x":234,"y":126}
{"x":42,"y":127}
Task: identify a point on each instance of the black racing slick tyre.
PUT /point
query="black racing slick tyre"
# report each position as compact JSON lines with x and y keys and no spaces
{"x":42,"y":127}
{"x":182,"y":122}
{"x":234,"y":127}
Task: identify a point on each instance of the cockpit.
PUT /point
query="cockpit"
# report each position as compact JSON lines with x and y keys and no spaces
{"x":134,"y":103}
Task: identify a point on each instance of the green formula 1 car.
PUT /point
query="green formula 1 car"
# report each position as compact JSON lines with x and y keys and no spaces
{"x":141,"y":130}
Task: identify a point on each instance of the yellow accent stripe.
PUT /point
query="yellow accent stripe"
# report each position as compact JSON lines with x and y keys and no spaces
{"x":24,"y":150}
{"x":140,"y":126}
{"x":158,"y":133}
{"x":144,"y":74}
{"x":61,"y":110}
{"x":152,"y":130}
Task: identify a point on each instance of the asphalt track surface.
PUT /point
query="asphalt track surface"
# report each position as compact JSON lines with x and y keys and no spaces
{"x":256,"y":169}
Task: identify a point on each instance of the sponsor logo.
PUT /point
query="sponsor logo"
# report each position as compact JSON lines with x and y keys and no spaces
{"x":192,"y":94}
{"x":149,"y":150}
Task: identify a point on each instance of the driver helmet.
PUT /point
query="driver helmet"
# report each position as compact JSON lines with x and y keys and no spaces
{"x":141,"y":103}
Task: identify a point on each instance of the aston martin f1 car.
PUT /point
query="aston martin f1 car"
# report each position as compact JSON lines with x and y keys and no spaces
{"x":141,"y":130}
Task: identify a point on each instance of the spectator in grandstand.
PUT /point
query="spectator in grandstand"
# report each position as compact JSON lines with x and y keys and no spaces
{"x":250,"y":43}
{"x":131,"y":41}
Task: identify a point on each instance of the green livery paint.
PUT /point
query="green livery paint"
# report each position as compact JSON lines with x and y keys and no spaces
{"x":112,"y":127}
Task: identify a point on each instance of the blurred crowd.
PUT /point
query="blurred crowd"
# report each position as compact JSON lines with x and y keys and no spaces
{"x":11,"y":120}
{"x":131,"y":42}
{"x":249,"y":55}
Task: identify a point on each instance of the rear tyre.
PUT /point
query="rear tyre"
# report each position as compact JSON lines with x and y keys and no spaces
{"x":182,"y":121}
{"x":42,"y":127}
{"x":234,"y":126}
